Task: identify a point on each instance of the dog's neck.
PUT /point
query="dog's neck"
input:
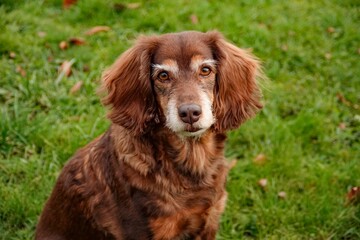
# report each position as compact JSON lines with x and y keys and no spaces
{"x":189,"y":155}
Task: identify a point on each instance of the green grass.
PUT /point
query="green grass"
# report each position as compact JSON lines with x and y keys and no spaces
{"x":311,"y":54}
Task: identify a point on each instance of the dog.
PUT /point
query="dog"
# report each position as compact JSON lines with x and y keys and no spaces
{"x":159,"y":171}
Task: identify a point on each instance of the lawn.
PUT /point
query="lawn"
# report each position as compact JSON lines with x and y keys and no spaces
{"x":305,"y":143}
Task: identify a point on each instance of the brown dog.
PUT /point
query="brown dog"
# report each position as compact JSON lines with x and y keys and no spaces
{"x":159,"y":171}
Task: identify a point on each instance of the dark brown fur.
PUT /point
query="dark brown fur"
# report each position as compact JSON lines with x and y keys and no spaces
{"x":140,"y":180}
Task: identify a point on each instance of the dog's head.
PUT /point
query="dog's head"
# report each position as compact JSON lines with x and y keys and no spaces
{"x":189,"y":82}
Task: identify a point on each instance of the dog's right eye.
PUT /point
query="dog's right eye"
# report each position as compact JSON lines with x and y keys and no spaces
{"x":163,"y":76}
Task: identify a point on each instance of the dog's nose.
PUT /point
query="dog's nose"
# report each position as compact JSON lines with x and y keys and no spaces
{"x":189,"y":113}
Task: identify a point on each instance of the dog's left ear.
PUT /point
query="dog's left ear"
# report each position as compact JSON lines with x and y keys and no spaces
{"x":237,"y":94}
{"x":128,"y":86}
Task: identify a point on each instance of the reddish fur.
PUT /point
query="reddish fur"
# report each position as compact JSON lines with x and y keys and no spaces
{"x":139,"y":180}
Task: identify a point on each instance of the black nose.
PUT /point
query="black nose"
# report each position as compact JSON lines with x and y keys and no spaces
{"x":189,"y":113}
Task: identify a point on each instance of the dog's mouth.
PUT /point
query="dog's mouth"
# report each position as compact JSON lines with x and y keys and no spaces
{"x":191,"y":129}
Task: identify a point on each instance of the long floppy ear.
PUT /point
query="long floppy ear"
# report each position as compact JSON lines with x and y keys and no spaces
{"x":129,"y":89}
{"x":237,"y":95}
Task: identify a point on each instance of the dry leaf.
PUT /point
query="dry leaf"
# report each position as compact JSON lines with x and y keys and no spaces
{"x":77,"y":86}
{"x":342,"y":99}
{"x":65,"y":68}
{"x":97,"y":29}
{"x":284,"y":47}
{"x":50,"y":59}
{"x":291,"y":33}
{"x":63,"y":45}
{"x":282,"y":195}
{"x":262,"y":25}
{"x":232,"y":163}
{"x":260,"y":159}
{"x":20,"y":70}
{"x":68,"y":3}
{"x":119,"y":7}
{"x":330,"y":30}
{"x":328,"y":56}
{"x":353,"y":196}
{"x":133,"y":5}
{"x":12,"y":55}
{"x":77,"y":41}
{"x":342,"y":126}
{"x":194,"y":19}
{"x":41,"y":34}
{"x":262,"y":182}
{"x":86,"y":68}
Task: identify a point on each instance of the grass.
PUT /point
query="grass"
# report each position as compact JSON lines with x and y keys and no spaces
{"x":309,"y":130}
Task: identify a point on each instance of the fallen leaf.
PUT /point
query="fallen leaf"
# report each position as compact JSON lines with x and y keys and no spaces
{"x":291,"y":33}
{"x":353,"y":196}
{"x":86,"y":68}
{"x":328,"y":56}
{"x":68,"y":3}
{"x":41,"y":34}
{"x":12,"y":55}
{"x":97,"y":29}
{"x":262,"y":25}
{"x":232,"y":163}
{"x":133,"y":5}
{"x":260,"y":159}
{"x":342,"y":126}
{"x":284,"y":47}
{"x":342,"y":99}
{"x":50,"y":59}
{"x":63,"y":45}
{"x":77,"y":86}
{"x":330,"y":30}
{"x":282,"y":195}
{"x":262,"y":183}
{"x":65,"y":68}
{"x":20,"y":70}
{"x":194,"y":19}
{"x":77,"y":41}
{"x":119,"y":7}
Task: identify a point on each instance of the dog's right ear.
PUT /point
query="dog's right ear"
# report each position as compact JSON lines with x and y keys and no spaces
{"x":128,"y":86}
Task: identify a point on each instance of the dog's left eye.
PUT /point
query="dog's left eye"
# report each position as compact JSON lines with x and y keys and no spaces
{"x":205,"y":71}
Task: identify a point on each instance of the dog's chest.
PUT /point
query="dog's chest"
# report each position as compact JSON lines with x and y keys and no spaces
{"x":181,"y":191}
{"x":182,"y":214}
{"x":184,"y":217}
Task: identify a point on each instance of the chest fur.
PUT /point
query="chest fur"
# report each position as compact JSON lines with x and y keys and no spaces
{"x":183,"y":215}
{"x":177,"y":186}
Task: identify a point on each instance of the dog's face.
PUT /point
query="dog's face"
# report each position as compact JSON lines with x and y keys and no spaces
{"x":184,"y":76}
{"x":189,"y":82}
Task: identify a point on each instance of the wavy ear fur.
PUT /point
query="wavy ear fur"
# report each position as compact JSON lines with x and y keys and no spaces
{"x":237,"y":95}
{"x":129,"y":89}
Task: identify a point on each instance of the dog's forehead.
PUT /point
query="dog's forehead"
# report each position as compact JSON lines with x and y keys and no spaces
{"x":182,"y":49}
